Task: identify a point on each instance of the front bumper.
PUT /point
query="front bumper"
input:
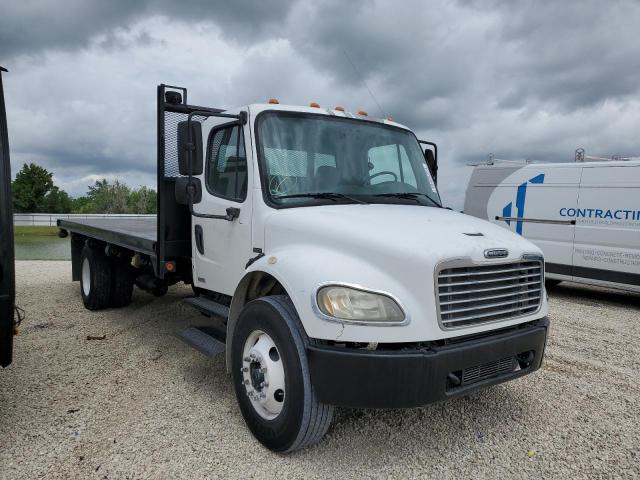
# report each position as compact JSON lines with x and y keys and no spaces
{"x":414,"y":377}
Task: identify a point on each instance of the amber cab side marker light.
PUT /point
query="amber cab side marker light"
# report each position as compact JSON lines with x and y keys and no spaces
{"x":314,"y":105}
{"x":339,"y":109}
{"x":274,"y":101}
{"x":362,"y":112}
{"x":170,"y":266}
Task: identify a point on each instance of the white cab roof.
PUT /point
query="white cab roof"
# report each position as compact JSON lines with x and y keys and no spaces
{"x":256,"y":108}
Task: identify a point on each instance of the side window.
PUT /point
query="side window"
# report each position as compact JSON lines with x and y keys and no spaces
{"x":226,"y":174}
{"x":394,"y":162}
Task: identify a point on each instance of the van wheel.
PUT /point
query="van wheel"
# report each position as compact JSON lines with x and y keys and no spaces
{"x":271,"y":377}
{"x":95,"y":281}
{"x":121,"y":283}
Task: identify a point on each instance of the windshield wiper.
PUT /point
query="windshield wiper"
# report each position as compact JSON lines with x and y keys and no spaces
{"x":322,"y":195}
{"x":409,"y":196}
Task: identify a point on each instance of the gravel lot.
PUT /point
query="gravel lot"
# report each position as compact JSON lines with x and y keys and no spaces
{"x":140,"y":404}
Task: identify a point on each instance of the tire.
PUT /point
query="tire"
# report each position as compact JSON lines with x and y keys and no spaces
{"x":95,"y":278}
{"x":121,"y":283}
{"x":302,"y":420}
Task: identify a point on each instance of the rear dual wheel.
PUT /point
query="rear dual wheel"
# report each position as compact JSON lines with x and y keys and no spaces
{"x":104,"y":282}
{"x":271,"y":377}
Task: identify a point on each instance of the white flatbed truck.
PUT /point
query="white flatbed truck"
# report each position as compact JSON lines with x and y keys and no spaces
{"x":316,"y":242}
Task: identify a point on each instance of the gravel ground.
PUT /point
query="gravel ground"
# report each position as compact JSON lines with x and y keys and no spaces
{"x":140,"y":404}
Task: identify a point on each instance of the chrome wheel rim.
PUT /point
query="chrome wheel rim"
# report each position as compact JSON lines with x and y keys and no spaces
{"x":263,"y":375}
{"x":86,"y":277}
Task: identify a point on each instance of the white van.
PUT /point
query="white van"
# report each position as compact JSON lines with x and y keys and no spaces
{"x":585,"y":216}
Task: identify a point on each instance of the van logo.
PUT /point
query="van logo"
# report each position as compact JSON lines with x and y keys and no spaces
{"x":521,"y":197}
{"x":496,"y":253}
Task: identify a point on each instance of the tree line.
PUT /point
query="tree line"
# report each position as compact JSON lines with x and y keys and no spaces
{"x":34,"y":191}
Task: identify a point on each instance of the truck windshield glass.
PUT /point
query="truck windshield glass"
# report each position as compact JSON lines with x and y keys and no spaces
{"x":309,"y":159}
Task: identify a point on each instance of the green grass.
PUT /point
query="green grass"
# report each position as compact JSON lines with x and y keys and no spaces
{"x":39,"y":230}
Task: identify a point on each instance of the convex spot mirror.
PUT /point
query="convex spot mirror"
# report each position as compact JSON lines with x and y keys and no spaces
{"x":184,"y":188}
{"x":195,"y":148}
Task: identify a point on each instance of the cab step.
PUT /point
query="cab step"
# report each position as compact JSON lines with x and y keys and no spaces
{"x":202,"y":339}
{"x":208,"y":307}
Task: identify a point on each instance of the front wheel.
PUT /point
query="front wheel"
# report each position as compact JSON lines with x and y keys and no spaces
{"x":271,"y":377}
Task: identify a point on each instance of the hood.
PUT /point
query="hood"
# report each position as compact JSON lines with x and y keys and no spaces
{"x":402,"y":231}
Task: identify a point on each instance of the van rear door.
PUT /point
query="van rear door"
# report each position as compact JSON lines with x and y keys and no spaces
{"x":607,"y":239}
{"x":7,"y":278}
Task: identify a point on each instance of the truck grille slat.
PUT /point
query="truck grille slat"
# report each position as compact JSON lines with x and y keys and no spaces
{"x":499,"y":315}
{"x":489,"y":297}
{"x":490,"y":280}
{"x":507,"y":291}
{"x":486,"y":306}
{"x":470,"y":291}
{"x":487,"y":272}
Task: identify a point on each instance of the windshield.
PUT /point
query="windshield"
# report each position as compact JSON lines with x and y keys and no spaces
{"x":309,"y":159}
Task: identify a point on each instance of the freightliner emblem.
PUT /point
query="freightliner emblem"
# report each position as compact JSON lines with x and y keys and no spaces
{"x":496,"y":253}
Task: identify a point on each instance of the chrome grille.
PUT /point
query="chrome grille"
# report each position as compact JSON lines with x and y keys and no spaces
{"x":472,"y":295}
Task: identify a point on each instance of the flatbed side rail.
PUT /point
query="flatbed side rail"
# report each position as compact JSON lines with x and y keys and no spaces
{"x":106,"y":233}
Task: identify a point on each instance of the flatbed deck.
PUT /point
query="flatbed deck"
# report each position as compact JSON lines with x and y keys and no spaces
{"x":137,"y":234}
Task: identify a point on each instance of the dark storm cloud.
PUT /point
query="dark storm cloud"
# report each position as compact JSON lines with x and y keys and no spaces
{"x":570,"y":55}
{"x":523,"y":79}
{"x":30,"y":26}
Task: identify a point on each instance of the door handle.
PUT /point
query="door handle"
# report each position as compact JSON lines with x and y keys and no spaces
{"x":199,"y":239}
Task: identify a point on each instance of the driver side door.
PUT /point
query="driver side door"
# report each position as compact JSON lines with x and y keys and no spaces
{"x":222,"y":247}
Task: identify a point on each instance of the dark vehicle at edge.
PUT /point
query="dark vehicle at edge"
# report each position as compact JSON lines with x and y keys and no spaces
{"x":7,"y":265}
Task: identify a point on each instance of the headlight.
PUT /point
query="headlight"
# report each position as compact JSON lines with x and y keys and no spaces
{"x":351,"y":304}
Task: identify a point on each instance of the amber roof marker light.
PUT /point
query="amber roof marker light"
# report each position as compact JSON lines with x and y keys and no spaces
{"x":363,"y":113}
{"x":273,"y":101}
{"x":339,"y":109}
{"x":314,"y":105}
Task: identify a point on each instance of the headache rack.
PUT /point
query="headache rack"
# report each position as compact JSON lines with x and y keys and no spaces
{"x":174,"y":219}
{"x":476,"y":294}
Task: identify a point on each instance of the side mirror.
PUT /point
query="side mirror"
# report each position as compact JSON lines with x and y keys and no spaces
{"x":432,"y":163}
{"x":195,"y":148}
{"x":184,"y":189}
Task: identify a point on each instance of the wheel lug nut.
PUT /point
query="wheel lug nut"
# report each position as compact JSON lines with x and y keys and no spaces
{"x":246,"y":382}
{"x":244,"y":369}
{"x":246,"y":359}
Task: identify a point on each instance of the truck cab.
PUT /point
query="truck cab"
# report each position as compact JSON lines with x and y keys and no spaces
{"x":320,"y":238}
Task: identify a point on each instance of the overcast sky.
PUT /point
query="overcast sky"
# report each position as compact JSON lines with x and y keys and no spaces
{"x":527,"y":79}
